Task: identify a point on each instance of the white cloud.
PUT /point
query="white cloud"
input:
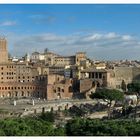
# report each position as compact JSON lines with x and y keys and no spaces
{"x":93,"y":37}
{"x":97,"y":45}
{"x":111,"y":35}
{"x":8,"y":23}
{"x":127,"y":37}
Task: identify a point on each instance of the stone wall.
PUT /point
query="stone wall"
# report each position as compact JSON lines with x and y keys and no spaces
{"x":59,"y":89}
{"x":118,"y":75}
{"x":85,"y":85}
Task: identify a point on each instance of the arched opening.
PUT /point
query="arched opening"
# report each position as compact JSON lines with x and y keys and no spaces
{"x":93,"y":84}
{"x":28,"y":93}
{"x":9,"y":94}
{"x":98,"y":84}
{"x":22,"y":94}
{"x":58,"y":95}
{"x":16,"y":94}
{"x":70,"y":88}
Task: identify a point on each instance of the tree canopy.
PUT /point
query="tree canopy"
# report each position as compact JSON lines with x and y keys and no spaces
{"x":96,"y":127}
{"x":108,"y":94}
{"x":134,"y":87}
{"x":30,"y":126}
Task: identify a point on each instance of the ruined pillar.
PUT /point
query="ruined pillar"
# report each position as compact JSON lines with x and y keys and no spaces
{"x":51,"y":109}
{"x":43,"y":110}
{"x":33,"y":102}
{"x":15,"y":103}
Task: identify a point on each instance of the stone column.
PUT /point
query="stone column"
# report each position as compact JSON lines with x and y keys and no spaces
{"x":15,"y":103}
{"x":33,"y":102}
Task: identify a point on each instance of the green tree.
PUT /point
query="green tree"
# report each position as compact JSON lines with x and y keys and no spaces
{"x":135,"y":88}
{"x":92,"y":127}
{"x":48,"y":116}
{"x":108,"y":95}
{"x":60,"y":131}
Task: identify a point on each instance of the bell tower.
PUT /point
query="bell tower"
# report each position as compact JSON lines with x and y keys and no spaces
{"x":3,"y":51}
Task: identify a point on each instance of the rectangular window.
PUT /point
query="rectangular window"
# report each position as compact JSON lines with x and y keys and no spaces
{"x":100,"y":75}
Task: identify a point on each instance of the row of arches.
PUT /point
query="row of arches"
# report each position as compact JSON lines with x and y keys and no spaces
{"x":21,"y":94}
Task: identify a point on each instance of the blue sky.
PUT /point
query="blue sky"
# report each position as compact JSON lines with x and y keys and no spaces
{"x":103,"y":31}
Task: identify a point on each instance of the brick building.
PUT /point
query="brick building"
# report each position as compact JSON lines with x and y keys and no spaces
{"x":64,"y":60}
{"x":21,"y":79}
{"x":58,"y":87}
{"x":17,"y":79}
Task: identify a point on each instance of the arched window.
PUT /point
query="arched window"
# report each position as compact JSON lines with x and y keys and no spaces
{"x":58,"y":89}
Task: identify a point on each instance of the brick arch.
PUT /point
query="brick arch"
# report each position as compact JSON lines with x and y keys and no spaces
{"x":9,"y":94}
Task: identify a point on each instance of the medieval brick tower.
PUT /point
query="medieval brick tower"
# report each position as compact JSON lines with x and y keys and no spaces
{"x":3,"y":51}
{"x":80,"y":56}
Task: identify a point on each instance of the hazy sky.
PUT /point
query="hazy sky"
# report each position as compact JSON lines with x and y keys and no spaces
{"x":103,"y":31}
